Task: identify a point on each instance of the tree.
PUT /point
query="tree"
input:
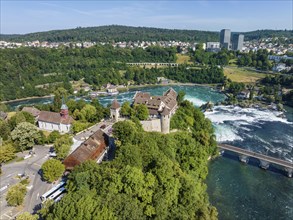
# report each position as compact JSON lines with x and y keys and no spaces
{"x":25,"y":135}
{"x":89,"y":112}
{"x":124,"y":131}
{"x":71,"y":104}
{"x":78,"y":126}
{"x":180,"y":96}
{"x":4,"y":130}
{"x":53,"y":136}
{"x":3,"y":107}
{"x":60,"y":94}
{"x":126,"y":110}
{"x":29,"y":117}
{"x":7,"y":152}
{"x":15,"y":194}
{"x":16,"y":119}
{"x":27,"y":216}
{"x":52,"y":170}
{"x":62,"y":146}
{"x":141,"y":112}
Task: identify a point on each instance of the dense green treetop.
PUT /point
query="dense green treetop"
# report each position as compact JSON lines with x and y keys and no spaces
{"x":126,"y":33}
{"x":52,"y":170}
{"x":25,"y":135}
{"x":15,"y":195}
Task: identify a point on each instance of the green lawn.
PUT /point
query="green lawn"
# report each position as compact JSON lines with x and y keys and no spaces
{"x":181,"y":59}
{"x":242,"y":75}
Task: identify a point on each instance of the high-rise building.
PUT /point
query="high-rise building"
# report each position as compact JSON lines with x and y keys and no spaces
{"x":237,"y":42}
{"x":225,"y":38}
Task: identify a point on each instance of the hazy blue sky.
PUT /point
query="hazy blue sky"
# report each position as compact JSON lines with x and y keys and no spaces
{"x":238,"y":15}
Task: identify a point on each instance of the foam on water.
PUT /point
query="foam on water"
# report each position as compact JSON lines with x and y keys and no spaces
{"x":196,"y":101}
{"x":226,"y":133}
{"x":247,"y":115}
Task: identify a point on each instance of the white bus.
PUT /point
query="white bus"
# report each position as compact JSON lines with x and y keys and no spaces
{"x":57,"y":193}
{"x":46,"y":195}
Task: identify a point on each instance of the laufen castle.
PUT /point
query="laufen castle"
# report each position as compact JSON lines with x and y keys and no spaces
{"x":161,"y":109}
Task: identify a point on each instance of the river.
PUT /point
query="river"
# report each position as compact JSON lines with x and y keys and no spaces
{"x":239,"y":191}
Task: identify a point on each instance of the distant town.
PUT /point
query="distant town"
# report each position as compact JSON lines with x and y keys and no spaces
{"x":237,"y":42}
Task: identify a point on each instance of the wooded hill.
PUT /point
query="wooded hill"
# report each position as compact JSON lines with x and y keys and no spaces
{"x":127,"y":33}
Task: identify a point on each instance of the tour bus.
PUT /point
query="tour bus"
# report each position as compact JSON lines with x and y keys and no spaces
{"x":46,"y":195}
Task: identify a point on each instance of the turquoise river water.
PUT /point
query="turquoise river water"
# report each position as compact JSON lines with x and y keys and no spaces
{"x":239,"y":191}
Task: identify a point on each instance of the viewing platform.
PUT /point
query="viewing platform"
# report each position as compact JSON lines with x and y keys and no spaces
{"x":265,"y":160}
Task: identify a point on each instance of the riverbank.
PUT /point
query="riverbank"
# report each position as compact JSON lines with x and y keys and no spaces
{"x":172,"y":84}
{"x":27,"y":98}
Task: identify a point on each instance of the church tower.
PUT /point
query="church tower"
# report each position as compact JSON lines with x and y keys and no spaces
{"x":115,"y":110}
{"x":64,"y":110}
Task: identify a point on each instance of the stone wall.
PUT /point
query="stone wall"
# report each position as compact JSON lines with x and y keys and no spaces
{"x":152,"y":125}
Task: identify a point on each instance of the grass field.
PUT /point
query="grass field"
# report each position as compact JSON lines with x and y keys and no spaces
{"x":181,"y":59}
{"x":242,"y":75}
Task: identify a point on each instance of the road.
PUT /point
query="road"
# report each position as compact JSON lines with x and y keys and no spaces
{"x":36,"y":186}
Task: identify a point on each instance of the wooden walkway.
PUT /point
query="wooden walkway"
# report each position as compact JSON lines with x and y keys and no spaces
{"x":261,"y":157}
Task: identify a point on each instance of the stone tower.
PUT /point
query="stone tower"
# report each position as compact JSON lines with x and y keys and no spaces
{"x":115,"y":110}
{"x":165,"y":121}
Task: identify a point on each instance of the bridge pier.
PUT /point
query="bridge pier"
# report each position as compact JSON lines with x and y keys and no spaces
{"x":289,"y":171}
{"x":243,"y":158}
{"x":264,"y":164}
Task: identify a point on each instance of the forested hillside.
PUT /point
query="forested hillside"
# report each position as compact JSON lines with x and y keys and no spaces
{"x":115,"y":33}
{"x":258,"y":34}
{"x":26,"y":72}
{"x":126,"y":33}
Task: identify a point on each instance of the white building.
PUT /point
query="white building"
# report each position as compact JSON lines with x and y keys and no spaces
{"x":53,"y":121}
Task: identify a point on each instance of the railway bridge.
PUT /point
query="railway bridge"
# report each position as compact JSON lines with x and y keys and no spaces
{"x":265,"y":160}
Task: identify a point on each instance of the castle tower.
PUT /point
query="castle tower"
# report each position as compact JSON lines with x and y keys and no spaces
{"x":165,"y":121}
{"x":115,"y":110}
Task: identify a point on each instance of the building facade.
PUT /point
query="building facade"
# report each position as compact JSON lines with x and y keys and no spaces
{"x":237,"y":42}
{"x":225,"y":38}
{"x":213,"y":46}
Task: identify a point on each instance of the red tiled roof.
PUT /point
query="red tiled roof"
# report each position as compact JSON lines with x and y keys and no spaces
{"x":54,"y":117}
{"x":91,"y":149}
{"x":115,"y":104}
{"x":32,"y":110}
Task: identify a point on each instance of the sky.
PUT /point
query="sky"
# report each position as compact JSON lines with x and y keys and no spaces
{"x":19,"y":17}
